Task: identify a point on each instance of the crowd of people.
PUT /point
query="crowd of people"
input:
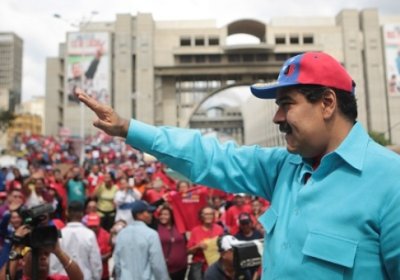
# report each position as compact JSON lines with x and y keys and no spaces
{"x":119,"y":189}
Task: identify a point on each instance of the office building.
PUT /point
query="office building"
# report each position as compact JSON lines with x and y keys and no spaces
{"x":163,"y":72}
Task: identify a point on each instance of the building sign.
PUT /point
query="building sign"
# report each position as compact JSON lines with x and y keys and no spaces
{"x":88,"y":65}
{"x":391,"y":35}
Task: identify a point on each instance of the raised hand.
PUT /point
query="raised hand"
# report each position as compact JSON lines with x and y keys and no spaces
{"x":108,"y":120}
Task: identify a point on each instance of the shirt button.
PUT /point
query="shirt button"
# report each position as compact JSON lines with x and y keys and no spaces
{"x":296,"y":212}
{"x":285,"y":245}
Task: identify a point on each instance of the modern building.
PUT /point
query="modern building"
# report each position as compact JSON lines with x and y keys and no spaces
{"x":161,"y":72}
{"x":11,"y":47}
{"x":24,"y":124}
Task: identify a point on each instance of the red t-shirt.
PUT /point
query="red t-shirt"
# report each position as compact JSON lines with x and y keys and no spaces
{"x":50,"y":277}
{"x":186,"y":207}
{"x":103,"y":239}
{"x":232,"y":217}
{"x":151,"y":195}
{"x":199,"y":234}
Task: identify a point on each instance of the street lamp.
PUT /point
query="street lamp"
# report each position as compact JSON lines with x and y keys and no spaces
{"x":81,"y":25}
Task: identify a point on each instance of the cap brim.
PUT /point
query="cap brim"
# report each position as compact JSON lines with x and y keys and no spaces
{"x":268,"y":91}
{"x":151,"y":208}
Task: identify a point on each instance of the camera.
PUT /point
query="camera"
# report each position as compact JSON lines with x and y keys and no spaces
{"x":41,"y":234}
{"x":247,"y":254}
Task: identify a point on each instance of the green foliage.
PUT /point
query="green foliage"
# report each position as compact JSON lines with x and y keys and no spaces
{"x":6,"y":118}
{"x":379,"y":138}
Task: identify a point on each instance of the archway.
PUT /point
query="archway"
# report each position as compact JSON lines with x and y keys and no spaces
{"x":220,"y":113}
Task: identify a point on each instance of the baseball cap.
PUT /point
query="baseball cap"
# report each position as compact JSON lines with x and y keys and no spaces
{"x":139,"y":206}
{"x":240,"y":194}
{"x":226,"y":242}
{"x":93,"y":220}
{"x":310,"y":68}
{"x":244,"y":218}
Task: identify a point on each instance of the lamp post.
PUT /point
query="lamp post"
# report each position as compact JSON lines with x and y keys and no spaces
{"x":80,"y":25}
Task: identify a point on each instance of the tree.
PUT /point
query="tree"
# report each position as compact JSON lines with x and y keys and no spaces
{"x":6,"y":118}
{"x":379,"y":137}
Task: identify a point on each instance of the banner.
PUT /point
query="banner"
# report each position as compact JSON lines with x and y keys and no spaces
{"x":88,"y":65}
{"x":391,"y":37}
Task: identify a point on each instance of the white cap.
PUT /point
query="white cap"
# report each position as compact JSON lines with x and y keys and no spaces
{"x":227,"y":242}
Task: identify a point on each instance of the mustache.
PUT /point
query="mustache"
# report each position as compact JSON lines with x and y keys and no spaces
{"x":285,"y":128}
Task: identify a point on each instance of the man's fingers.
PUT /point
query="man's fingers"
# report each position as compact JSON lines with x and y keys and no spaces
{"x":100,"y":124}
{"x":87,"y":100}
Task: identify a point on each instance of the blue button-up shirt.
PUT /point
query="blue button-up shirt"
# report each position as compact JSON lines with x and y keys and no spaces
{"x":341,"y":223}
{"x":138,"y":254}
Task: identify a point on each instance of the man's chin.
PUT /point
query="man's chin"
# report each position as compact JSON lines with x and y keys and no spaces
{"x":292,"y":150}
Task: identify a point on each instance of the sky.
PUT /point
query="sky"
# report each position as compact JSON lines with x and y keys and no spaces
{"x":35,"y":23}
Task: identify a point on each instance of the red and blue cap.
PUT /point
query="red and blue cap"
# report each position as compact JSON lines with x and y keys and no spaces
{"x":310,"y":68}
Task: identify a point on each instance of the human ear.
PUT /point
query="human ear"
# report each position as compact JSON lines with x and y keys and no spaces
{"x":329,"y":103}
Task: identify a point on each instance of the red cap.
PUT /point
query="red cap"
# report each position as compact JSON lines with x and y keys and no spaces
{"x":310,"y":68}
{"x":92,"y":220}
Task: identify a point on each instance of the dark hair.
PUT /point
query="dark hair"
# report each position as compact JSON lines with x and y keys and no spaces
{"x":76,"y":207}
{"x":200,"y":213}
{"x":346,"y":101}
{"x":180,"y":182}
{"x":166,"y":207}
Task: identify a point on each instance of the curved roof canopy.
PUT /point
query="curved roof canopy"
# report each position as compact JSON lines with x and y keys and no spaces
{"x":248,"y":26}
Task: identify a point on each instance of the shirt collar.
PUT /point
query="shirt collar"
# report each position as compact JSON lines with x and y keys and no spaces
{"x":354,"y":146}
{"x":352,"y":149}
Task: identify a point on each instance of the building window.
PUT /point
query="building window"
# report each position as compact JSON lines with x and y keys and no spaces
{"x":214,"y":58}
{"x":185,"y":59}
{"x":213,"y":41}
{"x":185,"y":41}
{"x":199,"y":41}
{"x":308,"y":39}
{"x":294,"y":40}
{"x":280,"y":40}
{"x":234,"y":58}
{"x":262,"y":57}
{"x":200,"y":58}
{"x":248,"y":58}
{"x":280,"y":56}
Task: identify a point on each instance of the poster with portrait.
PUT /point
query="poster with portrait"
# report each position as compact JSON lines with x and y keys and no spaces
{"x":88,"y":65}
{"x":391,"y":36}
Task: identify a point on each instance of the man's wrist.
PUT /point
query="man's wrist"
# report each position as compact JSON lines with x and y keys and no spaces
{"x":124,"y":124}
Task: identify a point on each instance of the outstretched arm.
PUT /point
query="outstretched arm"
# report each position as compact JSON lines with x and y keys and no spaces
{"x":108,"y":120}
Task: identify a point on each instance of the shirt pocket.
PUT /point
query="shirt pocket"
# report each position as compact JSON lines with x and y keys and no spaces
{"x":329,"y":254}
{"x":268,"y":220}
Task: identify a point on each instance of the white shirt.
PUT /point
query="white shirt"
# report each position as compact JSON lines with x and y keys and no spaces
{"x":80,"y":244}
{"x":125,"y":197}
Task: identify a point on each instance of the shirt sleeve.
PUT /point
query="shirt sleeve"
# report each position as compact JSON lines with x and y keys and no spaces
{"x":116,"y":258}
{"x":95,"y":259}
{"x":390,"y":232}
{"x":248,"y":169}
{"x":157,"y":261}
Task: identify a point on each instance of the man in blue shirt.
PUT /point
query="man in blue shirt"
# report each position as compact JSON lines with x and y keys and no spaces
{"x":334,"y":192}
{"x":138,"y":253}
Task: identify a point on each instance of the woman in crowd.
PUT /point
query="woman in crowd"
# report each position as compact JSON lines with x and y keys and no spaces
{"x":123,"y":199}
{"x":105,"y":193}
{"x":257,"y":209}
{"x":198,"y":241}
{"x":9,"y":224}
{"x":173,"y":244}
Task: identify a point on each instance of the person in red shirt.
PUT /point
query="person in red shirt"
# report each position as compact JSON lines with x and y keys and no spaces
{"x":95,"y":178}
{"x":103,"y":239}
{"x":232,"y":214}
{"x":196,"y":245}
{"x":186,"y":203}
{"x":257,"y":209}
{"x":56,"y":181}
{"x":173,"y":244}
{"x":155,"y":192}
